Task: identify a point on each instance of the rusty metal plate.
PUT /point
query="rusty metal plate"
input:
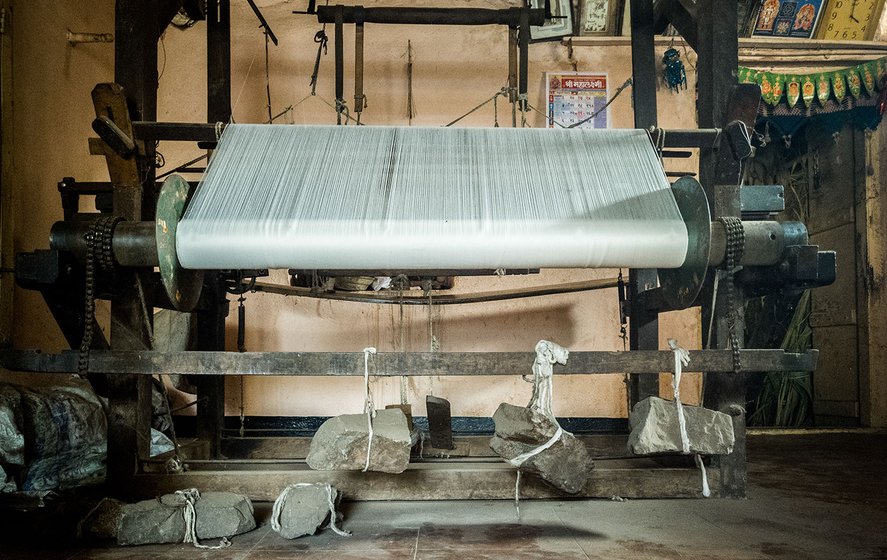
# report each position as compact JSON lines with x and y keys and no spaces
{"x":680,"y":286}
{"x":182,"y":286}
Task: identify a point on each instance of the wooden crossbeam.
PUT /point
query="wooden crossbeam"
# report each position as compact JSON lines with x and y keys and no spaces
{"x":395,"y":363}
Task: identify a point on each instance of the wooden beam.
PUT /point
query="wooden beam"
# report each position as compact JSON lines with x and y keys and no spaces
{"x":430,"y":16}
{"x":395,"y":363}
{"x":438,"y":481}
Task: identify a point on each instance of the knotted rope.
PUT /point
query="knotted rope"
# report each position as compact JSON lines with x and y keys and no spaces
{"x":547,"y":354}
{"x":281,"y":501}
{"x":190,"y":496}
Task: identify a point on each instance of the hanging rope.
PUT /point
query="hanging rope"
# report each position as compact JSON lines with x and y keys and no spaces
{"x":369,"y":407}
{"x":616,"y":94}
{"x":681,"y":359}
{"x":411,"y":109}
{"x":497,"y":94}
{"x":547,"y":354}
{"x":280,"y":502}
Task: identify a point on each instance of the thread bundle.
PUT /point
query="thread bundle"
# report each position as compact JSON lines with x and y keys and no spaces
{"x":335,"y":197}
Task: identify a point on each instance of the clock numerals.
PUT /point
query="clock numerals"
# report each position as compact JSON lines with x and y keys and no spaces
{"x":849,"y":20}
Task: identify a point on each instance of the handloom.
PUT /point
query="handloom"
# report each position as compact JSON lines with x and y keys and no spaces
{"x":734,"y":248}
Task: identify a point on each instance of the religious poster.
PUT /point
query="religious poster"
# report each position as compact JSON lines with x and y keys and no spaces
{"x":788,"y":18}
{"x":577,"y":97}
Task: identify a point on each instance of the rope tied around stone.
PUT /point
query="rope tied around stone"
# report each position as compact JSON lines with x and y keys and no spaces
{"x":281,"y":501}
{"x":190,"y":497}
{"x":682,"y":359}
{"x":369,"y":408}
{"x":547,"y":354}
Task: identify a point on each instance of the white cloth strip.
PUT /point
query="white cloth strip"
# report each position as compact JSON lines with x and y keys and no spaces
{"x":284,"y":196}
{"x":524,"y":457}
{"x":369,"y":406}
{"x":547,"y":354}
{"x":706,"y":491}
{"x":681,"y":358}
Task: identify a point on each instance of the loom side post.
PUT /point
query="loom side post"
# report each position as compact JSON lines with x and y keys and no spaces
{"x":340,"y":63}
{"x":524,"y":47}
{"x":721,"y":102}
{"x":359,"y":97}
{"x":512,"y":73}
{"x":211,"y":319}
{"x":135,"y":69}
{"x":644,"y":324}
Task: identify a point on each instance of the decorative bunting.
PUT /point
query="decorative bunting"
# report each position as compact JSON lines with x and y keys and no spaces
{"x":808,"y":89}
{"x":823,"y":88}
{"x":839,"y":85}
{"x":854,"y":83}
{"x":859,"y":80}
{"x":869,"y":71}
{"x":792,"y":90}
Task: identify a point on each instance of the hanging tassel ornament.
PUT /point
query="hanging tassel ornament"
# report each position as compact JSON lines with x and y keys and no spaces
{"x":674,"y":74}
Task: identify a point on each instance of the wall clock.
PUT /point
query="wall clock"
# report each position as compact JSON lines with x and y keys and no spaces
{"x":850,"y":20}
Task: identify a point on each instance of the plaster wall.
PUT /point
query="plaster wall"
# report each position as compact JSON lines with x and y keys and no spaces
{"x":454,"y":69}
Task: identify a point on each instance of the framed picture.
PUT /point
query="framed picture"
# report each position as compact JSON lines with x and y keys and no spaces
{"x":787,"y":18}
{"x":600,"y":17}
{"x":747,"y":16}
{"x":560,"y":24}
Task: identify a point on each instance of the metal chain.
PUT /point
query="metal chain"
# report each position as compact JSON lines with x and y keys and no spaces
{"x":106,"y":226}
{"x":735,"y":238}
{"x":99,"y":250}
{"x":89,"y":304}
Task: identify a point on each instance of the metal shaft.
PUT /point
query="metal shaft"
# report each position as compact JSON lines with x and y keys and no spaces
{"x":134,"y":243}
{"x":765,"y":242}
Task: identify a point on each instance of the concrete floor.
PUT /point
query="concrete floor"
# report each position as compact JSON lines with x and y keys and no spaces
{"x":810,"y":496}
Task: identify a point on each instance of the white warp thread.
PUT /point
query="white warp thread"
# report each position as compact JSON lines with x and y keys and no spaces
{"x":382,"y":198}
{"x":190,"y":496}
{"x":281,"y":501}
{"x":369,"y":407}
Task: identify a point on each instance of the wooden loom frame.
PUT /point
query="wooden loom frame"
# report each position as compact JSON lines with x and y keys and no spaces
{"x":129,"y":363}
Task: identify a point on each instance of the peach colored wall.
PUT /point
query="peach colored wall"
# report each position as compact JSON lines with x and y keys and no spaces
{"x":455,"y":68}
